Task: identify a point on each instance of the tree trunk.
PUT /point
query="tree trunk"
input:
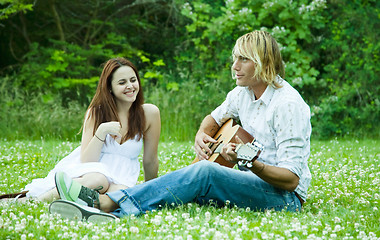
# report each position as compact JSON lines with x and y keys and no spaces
{"x":57,"y":21}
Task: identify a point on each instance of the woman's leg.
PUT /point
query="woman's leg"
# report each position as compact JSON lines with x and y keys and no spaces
{"x":49,"y":196}
{"x":115,"y":187}
{"x":94,"y":181}
{"x":91,"y":180}
{"x":106,"y":204}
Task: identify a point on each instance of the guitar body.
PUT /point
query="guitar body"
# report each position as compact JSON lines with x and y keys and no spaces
{"x":226,"y":134}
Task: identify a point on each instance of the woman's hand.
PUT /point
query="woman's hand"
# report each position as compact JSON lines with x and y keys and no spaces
{"x":112,"y":128}
{"x":91,"y":145}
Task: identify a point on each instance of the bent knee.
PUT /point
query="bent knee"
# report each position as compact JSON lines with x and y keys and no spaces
{"x":96,"y":181}
{"x":205,"y":166}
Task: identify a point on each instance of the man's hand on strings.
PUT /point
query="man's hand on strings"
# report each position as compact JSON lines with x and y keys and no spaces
{"x":201,"y":147}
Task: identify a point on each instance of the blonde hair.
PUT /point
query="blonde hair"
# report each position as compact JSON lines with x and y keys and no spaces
{"x":263,"y":50}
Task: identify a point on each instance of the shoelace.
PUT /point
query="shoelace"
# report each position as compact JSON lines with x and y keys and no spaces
{"x":98,"y":188}
{"x":90,"y":196}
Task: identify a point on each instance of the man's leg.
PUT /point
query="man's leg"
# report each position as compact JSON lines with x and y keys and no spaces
{"x":202,"y":182}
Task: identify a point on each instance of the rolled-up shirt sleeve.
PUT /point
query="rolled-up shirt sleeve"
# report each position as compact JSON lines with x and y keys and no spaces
{"x":292,"y":125}
{"x":228,"y":109}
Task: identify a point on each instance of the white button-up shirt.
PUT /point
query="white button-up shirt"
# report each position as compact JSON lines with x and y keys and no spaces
{"x":280,"y":121}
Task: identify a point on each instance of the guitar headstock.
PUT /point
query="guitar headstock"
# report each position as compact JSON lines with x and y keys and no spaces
{"x":248,"y":153}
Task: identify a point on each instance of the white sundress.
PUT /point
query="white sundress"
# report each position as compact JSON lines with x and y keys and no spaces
{"x":118,"y":162}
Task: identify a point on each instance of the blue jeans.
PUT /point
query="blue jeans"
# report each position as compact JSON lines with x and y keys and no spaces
{"x":200,"y":183}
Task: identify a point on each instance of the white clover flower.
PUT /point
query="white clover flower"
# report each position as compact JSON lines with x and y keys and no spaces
{"x":222,"y":222}
{"x":338,"y":228}
{"x":12,"y":216}
{"x":207,"y":215}
{"x":157,"y":220}
{"x":134,"y":229}
{"x":333,"y":235}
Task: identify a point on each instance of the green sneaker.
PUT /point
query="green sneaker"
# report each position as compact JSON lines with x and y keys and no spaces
{"x":73,"y":191}
{"x":75,"y":211}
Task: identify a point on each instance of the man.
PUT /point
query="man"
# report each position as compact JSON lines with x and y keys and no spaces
{"x":268,"y":108}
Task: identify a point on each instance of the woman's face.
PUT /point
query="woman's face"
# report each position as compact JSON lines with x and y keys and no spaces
{"x":125,"y":85}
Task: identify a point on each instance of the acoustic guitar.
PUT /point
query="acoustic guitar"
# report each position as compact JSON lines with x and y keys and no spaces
{"x":247,"y":152}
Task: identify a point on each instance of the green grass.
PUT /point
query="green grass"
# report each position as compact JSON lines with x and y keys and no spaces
{"x":343,"y":199}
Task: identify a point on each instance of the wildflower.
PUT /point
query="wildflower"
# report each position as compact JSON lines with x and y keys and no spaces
{"x":208,"y":216}
{"x":157,"y":220}
{"x":134,"y":229}
{"x":337,"y":228}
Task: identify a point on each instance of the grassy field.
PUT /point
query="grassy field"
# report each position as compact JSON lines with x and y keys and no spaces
{"x":343,"y":199}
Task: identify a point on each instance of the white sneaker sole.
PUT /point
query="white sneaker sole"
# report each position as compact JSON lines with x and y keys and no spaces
{"x":74,"y":211}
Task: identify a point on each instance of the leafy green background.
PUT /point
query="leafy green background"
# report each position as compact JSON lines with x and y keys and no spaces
{"x":52,"y":51}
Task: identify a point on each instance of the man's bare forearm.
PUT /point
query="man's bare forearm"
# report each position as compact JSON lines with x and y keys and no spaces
{"x":209,"y":126}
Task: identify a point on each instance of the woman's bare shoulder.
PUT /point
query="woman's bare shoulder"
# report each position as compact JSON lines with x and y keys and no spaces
{"x":152,"y":116}
{"x":150,"y":109}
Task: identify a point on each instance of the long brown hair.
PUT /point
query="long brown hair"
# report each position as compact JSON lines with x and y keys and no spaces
{"x":103,"y":106}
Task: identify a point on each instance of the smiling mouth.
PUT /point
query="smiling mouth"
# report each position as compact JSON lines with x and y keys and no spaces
{"x":129,"y":93}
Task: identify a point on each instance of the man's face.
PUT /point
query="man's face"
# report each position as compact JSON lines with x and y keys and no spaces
{"x":244,"y":70}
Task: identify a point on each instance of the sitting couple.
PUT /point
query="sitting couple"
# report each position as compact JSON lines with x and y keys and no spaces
{"x":100,"y":185}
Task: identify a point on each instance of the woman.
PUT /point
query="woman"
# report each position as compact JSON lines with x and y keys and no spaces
{"x":116,"y":125}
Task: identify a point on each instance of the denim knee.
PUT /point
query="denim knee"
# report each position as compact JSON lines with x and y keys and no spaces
{"x":204,"y":169}
{"x":204,"y":166}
